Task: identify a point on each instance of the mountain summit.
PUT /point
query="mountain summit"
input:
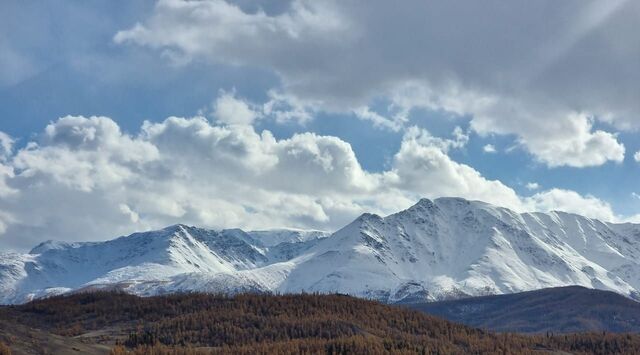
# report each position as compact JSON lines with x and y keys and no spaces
{"x":441,"y":249}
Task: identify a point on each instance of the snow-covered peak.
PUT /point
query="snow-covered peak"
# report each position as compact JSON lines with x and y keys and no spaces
{"x":273,"y":237}
{"x":149,"y":259}
{"x":436,"y":249}
{"x":451,"y":247}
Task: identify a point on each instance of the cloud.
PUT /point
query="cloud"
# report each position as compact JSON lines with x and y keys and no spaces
{"x":489,"y":148}
{"x":215,"y":28}
{"x":555,"y":137}
{"x":83,"y":178}
{"x":365,"y":113}
{"x":6,"y":171}
{"x":571,"y":201}
{"x":423,"y":167}
{"x":6,"y":145}
{"x":230,"y":110}
{"x":84,"y":153}
{"x":532,"y":186}
{"x":280,"y":108}
{"x":636,"y":156}
{"x":437,"y":55}
{"x":286,"y":108}
{"x":126,"y":210}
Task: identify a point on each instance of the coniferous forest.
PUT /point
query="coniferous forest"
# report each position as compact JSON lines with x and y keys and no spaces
{"x":285,"y":324}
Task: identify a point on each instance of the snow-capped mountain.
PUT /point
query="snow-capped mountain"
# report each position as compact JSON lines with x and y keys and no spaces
{"x":177,"y":258}
{"x":451,"y":247}
{"x":434,"y":250}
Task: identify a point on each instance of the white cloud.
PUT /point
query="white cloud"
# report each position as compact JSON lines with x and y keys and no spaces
{"x":365,"y":113}
{"x":422,"y":167}
{"x":6,"y":171}
{"x":126,"y":210}
{"x":489,"y":148}
{"x":216,"y":28}
{"x":6,"y":145}
{"x":281,"y":108}
{"x":636,"y":156}
{"x":554,"y":137}
{"x":228,"y":109}
{"x":532,"y":186}
{"x":571,"y":201}
{"x":546,"y":93}
{"x":584,"y":147}
{"x":84,"y":179}
{"x":84,"y":153}
{"x":286,"y":108}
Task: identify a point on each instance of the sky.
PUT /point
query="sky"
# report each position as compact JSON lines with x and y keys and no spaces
{"x":120,"y":116}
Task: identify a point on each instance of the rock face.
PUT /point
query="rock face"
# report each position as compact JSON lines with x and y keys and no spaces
{"x":442,"y":249}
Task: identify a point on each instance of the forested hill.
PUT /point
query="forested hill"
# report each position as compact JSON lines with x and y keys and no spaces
{"x":560,"y":310}
{"x":249,"y":324}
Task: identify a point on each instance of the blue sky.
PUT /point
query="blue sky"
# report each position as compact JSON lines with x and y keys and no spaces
{"x":551,"y":87}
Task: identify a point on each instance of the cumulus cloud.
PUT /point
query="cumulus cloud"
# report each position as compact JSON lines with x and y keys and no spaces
{"x":556,"y":137}
{"x":423,"y":167}
{"x":472,"y":59}
{"x":636,"y":156}
{"x":286,"y":108}
{"x":583,"y":147}
{"x":280,"y":108}
{"x":84,"y":153}
{"x":230,"y":110}
{"x":83,"y":178}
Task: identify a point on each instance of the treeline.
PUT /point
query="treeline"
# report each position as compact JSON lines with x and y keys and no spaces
{"x":290,"y":324}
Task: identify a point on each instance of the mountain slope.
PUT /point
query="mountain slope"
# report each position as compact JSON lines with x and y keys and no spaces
{"x":450,"y":248}
{"x":435,"y":250}
{"x":177,"y":258}
{"x":558,"y":310}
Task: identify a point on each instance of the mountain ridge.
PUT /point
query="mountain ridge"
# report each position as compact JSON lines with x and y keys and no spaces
{"x":434,"y":250}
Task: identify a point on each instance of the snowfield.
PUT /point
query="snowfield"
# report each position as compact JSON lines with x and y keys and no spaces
{"x":441,"y":249}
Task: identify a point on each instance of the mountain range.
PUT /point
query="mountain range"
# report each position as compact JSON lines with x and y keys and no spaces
{"x":448,"y":248}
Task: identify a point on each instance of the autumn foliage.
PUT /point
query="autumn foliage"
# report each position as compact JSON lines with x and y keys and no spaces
{"x":288,"y":324}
